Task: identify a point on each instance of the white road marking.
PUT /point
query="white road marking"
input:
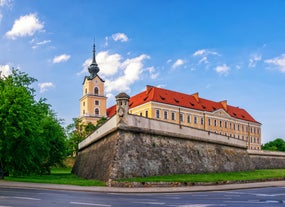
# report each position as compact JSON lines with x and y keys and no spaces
{"x":90,"y":204}
{"x":28,"y":198}
{"x":151,"y":203}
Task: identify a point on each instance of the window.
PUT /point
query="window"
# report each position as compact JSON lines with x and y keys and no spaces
{"x":83,"y":111}
{"x":146,"y":114}
{"x":238,"y":127}
{"x":209,"y":121}
{"x":195,"y":119}
{"x":215,"y":122}
{"x":83,"y":103}
{"x":96,"y":112}
{"x":181,"y":116}
{"x":96,"y":91}
{"x":165,"y":115}
{"x":202,"y":121}
{"x":221,"y":123}
{"x":173,"y":116}
{"x":96,"y":102}
{"x":85,"y":90}
{"x":188,"y":118}
{"x":226,"y":124}
{"x":157,"y":113}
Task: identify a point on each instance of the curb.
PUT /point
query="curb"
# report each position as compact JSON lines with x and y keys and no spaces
{"x":201,"y":188}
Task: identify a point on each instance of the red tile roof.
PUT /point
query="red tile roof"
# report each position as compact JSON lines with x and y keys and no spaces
{"x":165,"y":96}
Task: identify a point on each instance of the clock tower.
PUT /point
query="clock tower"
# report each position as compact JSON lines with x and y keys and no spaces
{"x":93,"y":100}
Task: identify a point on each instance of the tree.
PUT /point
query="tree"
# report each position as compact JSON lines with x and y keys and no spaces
{"x":275,"y":145}
{"x":77,"y":132}
{"x":31,"y":138}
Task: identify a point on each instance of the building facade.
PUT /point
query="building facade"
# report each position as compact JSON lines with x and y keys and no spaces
{"x":171,"y":106}
{"x":196,"y":112}
{"x":93,"y":100}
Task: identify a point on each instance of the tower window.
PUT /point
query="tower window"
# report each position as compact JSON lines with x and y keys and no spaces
{"x":84,"y":103}
{"x":85,"y":90}
{"x":96,"y":91}
{"x":83,"y":111}
{"x":96,"y":112}
{"x":97,"y":103}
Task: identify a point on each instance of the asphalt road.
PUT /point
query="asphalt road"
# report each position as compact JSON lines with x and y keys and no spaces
{"x":15,"y":197}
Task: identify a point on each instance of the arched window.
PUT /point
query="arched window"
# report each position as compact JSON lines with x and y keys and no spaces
{"x":96,"y":112}
{"x":96,"y":91}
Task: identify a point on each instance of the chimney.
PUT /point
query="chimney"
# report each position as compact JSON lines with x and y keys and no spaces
{"x":225,"y":105}
{"x":196,"y":96}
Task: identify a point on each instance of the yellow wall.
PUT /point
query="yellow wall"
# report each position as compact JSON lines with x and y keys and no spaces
{"x":89,"y":100}
{"x":225,"y":124}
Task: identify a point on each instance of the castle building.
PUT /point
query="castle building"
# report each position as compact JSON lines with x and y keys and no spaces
{"x":196,"y":112}
{"x":93,"y":100}
{"x":174,"y":107}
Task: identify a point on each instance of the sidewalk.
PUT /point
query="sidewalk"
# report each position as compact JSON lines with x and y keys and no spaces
{"x":8,"y":184}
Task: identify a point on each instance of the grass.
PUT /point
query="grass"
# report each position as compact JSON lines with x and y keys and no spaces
{"x":64,"y":176}
{"x":57,"y":176}
{"x":214,"y":177}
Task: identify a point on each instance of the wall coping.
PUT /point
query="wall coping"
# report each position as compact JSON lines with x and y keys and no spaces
{"x":152,"y":126}
{"x":266,"y":153}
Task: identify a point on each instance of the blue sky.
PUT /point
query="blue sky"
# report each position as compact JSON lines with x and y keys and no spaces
{"x":225,"y":50}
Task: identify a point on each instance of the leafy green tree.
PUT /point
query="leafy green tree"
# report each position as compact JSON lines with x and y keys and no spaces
{"x":275,"y":145}
{"x":77,"y":132}
{"x":31,"y":138}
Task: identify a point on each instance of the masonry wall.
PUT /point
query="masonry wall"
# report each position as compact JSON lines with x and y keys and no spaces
{"x":267,"y":159}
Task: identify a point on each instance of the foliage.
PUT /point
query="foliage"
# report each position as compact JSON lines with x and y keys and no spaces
{"x":78,"y":131}
{"x":275,"y":145}
{"x":31,"y":138}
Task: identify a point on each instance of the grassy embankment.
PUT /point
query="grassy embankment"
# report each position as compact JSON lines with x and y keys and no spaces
{"x":64,"y":176}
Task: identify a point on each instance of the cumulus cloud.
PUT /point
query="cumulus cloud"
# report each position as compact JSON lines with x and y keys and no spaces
{"x":5,"y":71}
{"x":152,"y":72}
{"x":132,"y":68}
{"x":26,"y":25}
{"x":120,"y":37}
{"x":253,"y":60}
{"x":61,"y":58}
{"x":5,"y":3}
{"x":279,"y":62}
{"x":178,"y":63}
{"x":110,"y":63}
{"x":45,"y":86}
{"x":222,"y":69}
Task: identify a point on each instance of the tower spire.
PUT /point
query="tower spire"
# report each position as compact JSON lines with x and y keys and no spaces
{"x":93,"y":68}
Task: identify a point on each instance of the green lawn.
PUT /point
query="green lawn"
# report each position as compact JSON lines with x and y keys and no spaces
{"x":57,"y":176}
{"x":64,"y":176}
{"x":214,"y":177}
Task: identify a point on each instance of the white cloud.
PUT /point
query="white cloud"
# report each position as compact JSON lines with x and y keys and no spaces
{"x":253,"y":60}
{"x":45,"y":86}
{"x":132,"y":68}
{"x":26,"y":25}
{"x":205,"y":52}
{"x":120,"y":37}
{"x":44,"y":42}
{"x":152,"y":72}
{"x":5,"y":71}
{"x":61,"y":58}
{"x":278,"y":61}
{"x":178,"y":63}
{"x":109,"y":62}
{"x":203,"y":60}
{"x":222,"y":69}
{"x":5,"y":3}
{"x":199,"y":52}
